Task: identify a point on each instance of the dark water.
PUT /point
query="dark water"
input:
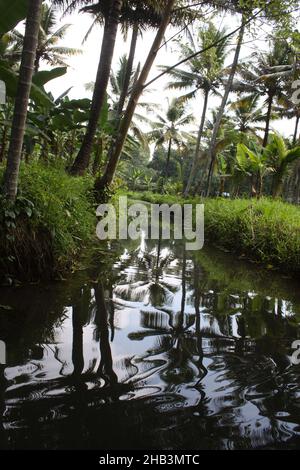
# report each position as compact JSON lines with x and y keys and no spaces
{"x":152,"y":348}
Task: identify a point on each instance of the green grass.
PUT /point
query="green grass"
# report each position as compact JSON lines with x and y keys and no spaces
{"x":52,"y":221}
{"x":264,"y":230}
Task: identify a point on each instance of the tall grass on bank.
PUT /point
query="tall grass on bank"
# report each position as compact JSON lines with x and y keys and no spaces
{"x":264,"y":230}
{"x":52,"y":220}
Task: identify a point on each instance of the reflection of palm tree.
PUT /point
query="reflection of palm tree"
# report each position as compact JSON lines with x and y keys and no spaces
{"x":198,"y":299}
{"x":153,"y":289}
{"x":77,"y":351}
{"x":175,"y":339}
{"x":2,"y":403}
{"x":105,"y":369}
{"x":81,"y":309}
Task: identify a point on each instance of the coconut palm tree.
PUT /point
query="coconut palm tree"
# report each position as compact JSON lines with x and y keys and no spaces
{"x":249,"y":12}
{"x":288,"y":109}
{"x":169,"y":129}
{"x":116,"y":87}
{"x":221,"y":111}
{"x":169,"y":15}
{"x":22,"y":98}
{"x":146,"y":13}
{"x":201,"y":75}
{"x":247,"y":114}
{"x":48,"y":49}
{"x":266,"y":76}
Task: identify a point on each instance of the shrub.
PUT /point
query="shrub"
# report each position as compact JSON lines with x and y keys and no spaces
{"x":52,"y":220}
{"x":265,"y":230}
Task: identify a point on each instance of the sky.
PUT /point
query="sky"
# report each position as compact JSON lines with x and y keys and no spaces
{"x":82,"y":68}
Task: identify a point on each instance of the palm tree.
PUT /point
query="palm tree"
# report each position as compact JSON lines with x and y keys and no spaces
{"x":247,"y":114}
{"x":280,"y":158}
{"x":168,"y":16}
{"x":168,"y":129}
{"x":48,"y":49}
{"x":288,"y":109}
{"x":116,"y":89}
{"x":146,"y":13}
{"x":111,"y":14}
{"x":227,"y":137}
{"x":228,"y":88}
{"x":202,"y":74}
{"x":22,"y":98}
{"x":267,"y":76}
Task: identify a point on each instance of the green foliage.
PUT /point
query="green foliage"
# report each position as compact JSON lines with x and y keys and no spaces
{"x":264,"y":230}
{"x":51,"y":205}
{"x":11,"y":13}
{"x":10,"y":78}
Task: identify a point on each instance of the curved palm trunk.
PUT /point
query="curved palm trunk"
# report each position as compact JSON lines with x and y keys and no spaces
{"x":129,"y":69}
{"x":197,"y":152}
{"x":295,"y":138}
{"x":268,"y":120}
{"x":82,"y":160}
{"x":212,"y":147}
{"x":113,"y":161}
{"x":22,"y":99}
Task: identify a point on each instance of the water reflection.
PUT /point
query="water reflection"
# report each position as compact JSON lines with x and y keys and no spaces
{"x":160,"y":348}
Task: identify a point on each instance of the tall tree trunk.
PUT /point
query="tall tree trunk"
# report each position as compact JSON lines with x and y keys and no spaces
{"x":22,"y":99}
{"x":129,"y":69}
{"x":212,"y":147}
{"x":98,"y":156}
{"x":197,"y":152}
{"x":165,"y":174}
{"x":82,"y":160}
{"x":168,"y":157}
{"x":108,"y":176}
{"x":3,"y":144}
{"x":268,"y":120}
{"x":295,"y":138}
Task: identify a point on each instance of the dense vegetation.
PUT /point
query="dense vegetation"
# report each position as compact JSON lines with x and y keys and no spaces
{"x":51,"y":220}
{"x":59,"y":157}
{"x":259,"y":229}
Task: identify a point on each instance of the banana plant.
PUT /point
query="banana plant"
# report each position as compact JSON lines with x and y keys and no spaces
{"x":253,"y":163}
{"x":11,"y":13}
{"x":280,"y":158}
{"x":222,"y":172}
